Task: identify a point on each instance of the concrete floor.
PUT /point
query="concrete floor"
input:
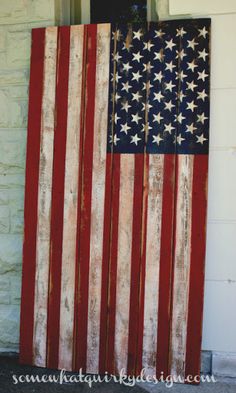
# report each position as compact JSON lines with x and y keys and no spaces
{"x":10,"y":367}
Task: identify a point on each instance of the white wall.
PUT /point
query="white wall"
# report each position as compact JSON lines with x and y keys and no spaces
{"x":219,"y":330}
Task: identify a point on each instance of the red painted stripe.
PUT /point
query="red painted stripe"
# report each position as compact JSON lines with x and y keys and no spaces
{"x":85,"y":218}
{"x":143,"y":266}
{"x":31,"y":196}
{"x":135,"y":264}
{"x":111,"y":309}
{"x":198,"y":247}
{"x":81,"y":152}
{"x":166,"y":261}
{"x":58,"y":196}
{"x":105,"y":264}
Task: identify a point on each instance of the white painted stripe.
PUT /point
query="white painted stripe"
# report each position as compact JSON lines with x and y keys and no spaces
{"x":44,"y":199}
{"x":153,"y":244}
{"x":124,"y":261}
{"x":181,"y":264}
{"x":98,"y":196}
{"x":71,"y":199}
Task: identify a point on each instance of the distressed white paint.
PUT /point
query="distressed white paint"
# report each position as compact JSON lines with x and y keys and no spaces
{"x":98,"y":196}
{"x":154,"y":214}
{"x":44,"y":199}
{"x":71,"y":199}
{"x":124,"y":260}
{"x":181,"y":264}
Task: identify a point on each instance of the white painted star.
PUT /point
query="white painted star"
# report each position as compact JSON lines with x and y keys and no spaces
{"x":170,"y":66}
{"x":125,"y":106}
{"x":180,"y":95}
{"x":191,"y":86}
{"x":116,"y":118}
{"x":147,"y":86}
{"x":157,"y":139}
{"x":137,"y":57}
{"x":126,"y":86}
{"x":114,"y":139}
{"x":169,"y":44}
{"x":181,"y":75}
{"x":116,"y":35}
{"x":146,"y":127}
{"x":159,"y":55}
{"x":117,"y":57}
{"x":158,"y":77}
{"x":136,"y":76}
{"x":127,"y":45}
{"x":179,"y":118}
{"x":180,"y":32}
{"x":203,"y":54}
{"x":127,"y":67}
{"x":117,"y":96}
{"x":192,"y":44}
{"x":202,"y":95}
{"x":169,"y":128}
{"x":202,"y":75}
{"x":158,"y":96}
{"x":169,"y":105}
{"x":146,"y":106}
{"x":191,"y":106}
{"x":148,"y":46}
{"x":158,"y":117}
{"x":125,"y":128}
{"x":135,"y":139}
{"x":170,"y":86}
{"x":191,"y":128}
{"x":159,"y":33}
{"x":179,"y":139}
{"x":136,"y":96}
{"x":136,"y":118}
{"x":180,"y":54}
{"x":203,"y":32}
{"x":202,"y":118}
{"x":191,"y":66}
{"x":137,"y":35}
{"x":147,"y":67}
{"x":201,"y":139}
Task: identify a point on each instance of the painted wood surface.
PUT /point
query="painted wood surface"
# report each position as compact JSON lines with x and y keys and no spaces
{"x":112,"y":263}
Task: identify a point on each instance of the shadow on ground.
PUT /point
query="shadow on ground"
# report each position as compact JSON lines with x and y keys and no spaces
{"x":10,"y":371}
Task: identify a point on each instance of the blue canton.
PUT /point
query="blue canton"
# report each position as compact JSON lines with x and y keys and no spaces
{"x":159,"y":88}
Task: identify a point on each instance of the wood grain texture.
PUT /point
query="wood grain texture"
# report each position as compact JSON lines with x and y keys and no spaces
{"x":181,"y":264}
{"x":44,"y":199}
{"x":127,"y":169}
{"x":154,"y":221}
{"x":70,"y":200}
{"x":98,"y":197}
{"x":31,"y":196}
{"x":57,"y":207}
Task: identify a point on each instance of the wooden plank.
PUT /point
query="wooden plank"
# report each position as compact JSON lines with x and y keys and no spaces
{"x":154,"y":221}
{"x":135,"y":263}
{"x":181,"y":264}
{"x":198,"y":247}
{"x":165,"y":274}
{"x":127,"y":171}
{"x":70,"y":200}
{"x":86,"y":198}
{"x":57,"y":209}
{"x":98,"y":196}
{"x":44,"y":199}
{"x":31,"y":196}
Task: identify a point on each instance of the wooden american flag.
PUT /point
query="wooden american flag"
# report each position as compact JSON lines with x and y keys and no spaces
{"x":115,"y":198}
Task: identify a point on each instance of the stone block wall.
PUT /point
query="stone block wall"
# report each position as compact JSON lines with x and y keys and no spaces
{"x":17,"y":18}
